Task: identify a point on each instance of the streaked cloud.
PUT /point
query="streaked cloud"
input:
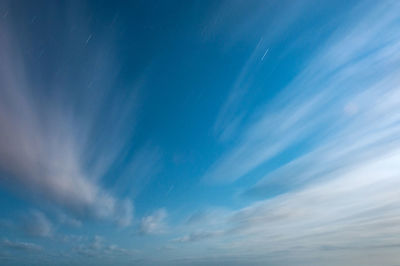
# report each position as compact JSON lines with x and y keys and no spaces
{"x":336,"y":198}
{"x":35,"y":223}
{"x":54,"y":148}
{"x":70,"y":221}
{"x":267,"y":131}
{"x":154,"y":223}
{"x":22,"y":246}
{"x":354,"y":209}
{"x":332,"y":94}
{"x":198,"y":236}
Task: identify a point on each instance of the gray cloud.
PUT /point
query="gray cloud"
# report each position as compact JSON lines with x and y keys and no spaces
{"x":53,"y":147}
{"x":35,"y":223}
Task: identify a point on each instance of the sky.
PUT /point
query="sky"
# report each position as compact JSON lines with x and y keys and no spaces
{"x":200,"y":132}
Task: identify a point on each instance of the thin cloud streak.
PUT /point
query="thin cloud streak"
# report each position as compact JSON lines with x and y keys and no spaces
{"x":325,"y":98}
{"x":21,"y":246}
{"x":154,"y":223}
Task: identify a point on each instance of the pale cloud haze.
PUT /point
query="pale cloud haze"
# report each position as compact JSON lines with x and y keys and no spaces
{"x":199,"y":133}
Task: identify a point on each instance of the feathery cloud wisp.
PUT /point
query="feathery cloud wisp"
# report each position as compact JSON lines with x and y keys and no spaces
{"x":154,"y":223}
{"x":57,"y":152}
{"x":330,"y":96}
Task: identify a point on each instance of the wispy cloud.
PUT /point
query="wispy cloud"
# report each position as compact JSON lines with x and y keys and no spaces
{"x":198,"y":236}
{"x":329,"y":99}
{"x":144,"y":165}
{"x":32,"y":223}
{"x":35,"y":223}
{"x":154,"y":223}
{"x":22,"y":246}
{"x":337,"y":194}
{"x":62,"y":133}
{"x":98,"y":247}
{"x":357,"y":209}
{"x":69,"y":221}
{"x":307,"y":137}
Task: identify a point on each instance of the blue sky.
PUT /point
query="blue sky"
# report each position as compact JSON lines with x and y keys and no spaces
{"x":199,"y":132}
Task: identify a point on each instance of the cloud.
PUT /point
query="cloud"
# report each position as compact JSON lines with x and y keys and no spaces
{"x":97,"y":247}
{"x":32,"y":223}
{"x":204,"y":224}
{"x":70,"y":221}
{"x":144,"y":165}
{"x":198,"y":236}
{"x":206,"y":216}
{"x":124,"y":213}
{"x":334,"y":199}
{"x":22,"y":246}
{"x":62,"y":134}
{"x":357,"y":209}
{"x":35,"y":223}
{"x":331,"y":97}
{"x":154,"y":223}
{"x":250,"y":25}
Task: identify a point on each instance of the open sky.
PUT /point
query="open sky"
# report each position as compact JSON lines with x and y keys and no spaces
{"x":200,"y":132}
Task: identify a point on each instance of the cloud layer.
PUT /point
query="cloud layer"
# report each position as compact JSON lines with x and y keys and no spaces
{"x":301,"y":166}
{"x":52,"y":146}
{"x":336,"y":198}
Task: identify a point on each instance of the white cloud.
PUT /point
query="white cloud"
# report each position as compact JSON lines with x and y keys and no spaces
{"x":143,"y":166}
{"x":338,"y":195}
{"x":355,"y":70}
{"x":23,"y":246}
{"x":124,"y":213}
{"x":99,"y":248}
{"x":356,"y":209}
{"x":198,"y":236}
{"x":154,"y":223}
